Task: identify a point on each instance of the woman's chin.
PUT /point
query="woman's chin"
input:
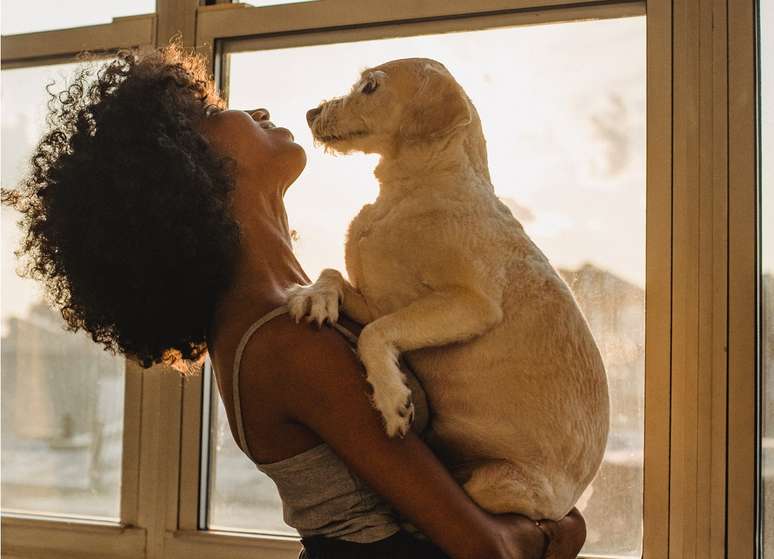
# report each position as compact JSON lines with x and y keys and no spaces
{"x":301,"y":155}
{"x":296,"y":162}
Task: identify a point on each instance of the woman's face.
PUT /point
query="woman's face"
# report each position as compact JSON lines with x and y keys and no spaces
{"x":266,"y":155}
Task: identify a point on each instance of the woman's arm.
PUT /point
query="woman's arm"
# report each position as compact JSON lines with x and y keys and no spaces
{"x":324,"y":388}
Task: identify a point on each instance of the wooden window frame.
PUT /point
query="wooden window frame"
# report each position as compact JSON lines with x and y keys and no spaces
{"x":700,"y":474}
{"x":61,"y":45}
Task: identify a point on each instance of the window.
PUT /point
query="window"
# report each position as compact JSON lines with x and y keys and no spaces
{"x":566,"y":152}
{"x":41,"y":15}
{"x":121,"y":457}
{"x":62,"y":395}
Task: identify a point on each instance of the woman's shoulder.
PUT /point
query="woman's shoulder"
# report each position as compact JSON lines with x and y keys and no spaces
{"x":299,"y":352}
{"x":293,"y":343}
{"x":289,"y":363}
{"x":274,"y":340}
{"x":284,"y":366}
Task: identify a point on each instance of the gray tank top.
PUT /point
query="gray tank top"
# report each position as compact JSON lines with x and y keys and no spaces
{"x":320,"y":496}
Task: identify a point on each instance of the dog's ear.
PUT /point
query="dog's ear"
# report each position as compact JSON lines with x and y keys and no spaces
{"x":439,"y":108}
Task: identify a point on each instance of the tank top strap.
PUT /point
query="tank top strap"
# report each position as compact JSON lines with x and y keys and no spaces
{"x":347,"y":334}
{"x":279,"y":311}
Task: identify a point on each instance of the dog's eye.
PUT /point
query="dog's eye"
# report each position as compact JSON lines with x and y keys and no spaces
{"x":369,"y":87}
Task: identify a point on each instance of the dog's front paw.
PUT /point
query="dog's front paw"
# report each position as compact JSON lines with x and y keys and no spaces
{"x":391,"y":397}
{"x":394,"y":403}
{"x":317,"y":302}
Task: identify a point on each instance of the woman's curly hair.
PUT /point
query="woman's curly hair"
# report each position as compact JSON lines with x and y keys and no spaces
{"x":126,"y":213}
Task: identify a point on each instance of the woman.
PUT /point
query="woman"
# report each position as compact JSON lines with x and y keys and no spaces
{"x":155,"y":218}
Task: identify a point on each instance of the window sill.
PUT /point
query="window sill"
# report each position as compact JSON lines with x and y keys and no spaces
{"x":44,"y":537}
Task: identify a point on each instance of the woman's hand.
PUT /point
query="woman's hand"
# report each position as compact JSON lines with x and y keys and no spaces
{"x":519,"y":536}
{"x":555,"y":540}
{"x":566,"y":537}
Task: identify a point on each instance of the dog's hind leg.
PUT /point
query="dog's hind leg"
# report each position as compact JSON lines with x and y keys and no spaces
{"x":502,"y":487}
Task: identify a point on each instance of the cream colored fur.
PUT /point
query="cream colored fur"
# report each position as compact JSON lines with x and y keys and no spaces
{"x":441,"y":270}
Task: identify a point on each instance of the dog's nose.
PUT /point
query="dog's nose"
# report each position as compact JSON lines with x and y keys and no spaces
{"x":312,"y":114}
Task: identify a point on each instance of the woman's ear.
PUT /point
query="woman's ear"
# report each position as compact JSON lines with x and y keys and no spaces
{"x":439,"y":107}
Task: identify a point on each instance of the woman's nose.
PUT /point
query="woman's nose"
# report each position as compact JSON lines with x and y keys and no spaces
{"x":312,"y":114}
{"x":260,"y":114}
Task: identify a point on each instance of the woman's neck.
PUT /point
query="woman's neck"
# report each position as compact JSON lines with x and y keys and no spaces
{"x":266,"y":266}
{"x":266,"y":262}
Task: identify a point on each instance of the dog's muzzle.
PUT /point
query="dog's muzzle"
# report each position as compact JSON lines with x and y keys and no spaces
{"x":312,"y":114}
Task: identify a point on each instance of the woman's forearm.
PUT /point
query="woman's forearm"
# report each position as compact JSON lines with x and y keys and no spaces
{"x":424,"y":492}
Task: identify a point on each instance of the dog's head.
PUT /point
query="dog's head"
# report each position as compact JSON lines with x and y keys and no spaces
{"x":413,"y":100}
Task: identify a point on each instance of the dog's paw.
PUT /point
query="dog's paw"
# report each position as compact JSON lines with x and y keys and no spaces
{"x":394,"y":403}
{"x":317,"y":303}
{"x":391,"y":397}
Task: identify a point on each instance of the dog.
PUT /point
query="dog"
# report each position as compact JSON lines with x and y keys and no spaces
{"x":441,"y":271}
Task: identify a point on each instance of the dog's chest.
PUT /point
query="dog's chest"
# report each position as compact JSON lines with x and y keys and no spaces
{"x":379,"y":261}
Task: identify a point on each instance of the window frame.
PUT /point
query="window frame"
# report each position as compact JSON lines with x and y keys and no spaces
{"x":62,"y":45}
{"x":700,"y":472}
{"x":743,"y":476}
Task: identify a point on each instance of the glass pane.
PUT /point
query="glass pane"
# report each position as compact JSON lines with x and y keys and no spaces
{"x":62,"y":396}
{"x":241,"y":497}
{"x":766,"y":151}
{"x":18,"y":16}
{"x":558,"y":135}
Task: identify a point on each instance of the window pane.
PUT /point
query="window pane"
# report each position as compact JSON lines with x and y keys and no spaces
{"x":18,"y":16}
{"x":62,"y":396}
{"x":564,"y":117}
{"x":241,"y":497}
{"x":766,"y":151}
